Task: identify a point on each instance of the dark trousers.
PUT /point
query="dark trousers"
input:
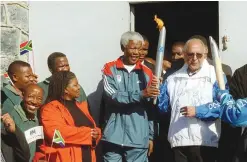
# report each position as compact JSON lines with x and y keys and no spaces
{"x":195,"y":154}
{"x":162,"y":148}
{"x":228,"y":142}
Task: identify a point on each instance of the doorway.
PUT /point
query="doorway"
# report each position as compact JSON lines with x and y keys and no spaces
{"x":181,"y":19}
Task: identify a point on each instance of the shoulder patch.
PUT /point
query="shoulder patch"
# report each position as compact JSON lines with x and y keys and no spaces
{"x":107,"y":68}
{"x":147,"y":71}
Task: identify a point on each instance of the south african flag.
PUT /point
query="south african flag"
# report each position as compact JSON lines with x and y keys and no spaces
{"x":57,"y":138}
{"x":26,"y":47}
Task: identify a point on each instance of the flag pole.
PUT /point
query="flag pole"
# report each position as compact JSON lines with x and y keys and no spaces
{"x":32,"y":55}
{"x":51,"y":145}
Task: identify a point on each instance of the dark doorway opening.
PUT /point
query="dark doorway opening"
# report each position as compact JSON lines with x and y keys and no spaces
{"x":181,"y":19}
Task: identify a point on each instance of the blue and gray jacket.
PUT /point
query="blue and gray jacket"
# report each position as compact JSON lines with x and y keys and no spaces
{"x":127,"y":122}
{"x":211,"y":111}
{"x":230,"y":111}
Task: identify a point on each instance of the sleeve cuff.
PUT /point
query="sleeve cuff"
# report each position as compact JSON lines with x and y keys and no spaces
{"x":221,"y":94}
{"x":200,"y":111}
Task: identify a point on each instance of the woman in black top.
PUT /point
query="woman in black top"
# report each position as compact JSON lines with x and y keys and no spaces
{"x":71,"y":118}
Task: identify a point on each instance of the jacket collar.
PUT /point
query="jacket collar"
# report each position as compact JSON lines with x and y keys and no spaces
{"x":67,"y":116}
{"x":22,"y":114}
{"x":12,"y":89}
{"x":207,"y":71}
{"x":120,"y":64}
{"x":47,"y":80}
{"x":12,"y":94}
{"x":202,"y":72}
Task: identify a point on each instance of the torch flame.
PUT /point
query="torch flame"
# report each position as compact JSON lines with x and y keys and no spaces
{"x":159,"y":22}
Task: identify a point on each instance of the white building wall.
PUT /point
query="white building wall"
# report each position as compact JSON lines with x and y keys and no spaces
{"x":87,"y":32}
{"x":233,"y":24}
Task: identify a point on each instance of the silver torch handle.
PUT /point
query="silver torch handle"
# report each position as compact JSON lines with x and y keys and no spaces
{"x":160,"y":56}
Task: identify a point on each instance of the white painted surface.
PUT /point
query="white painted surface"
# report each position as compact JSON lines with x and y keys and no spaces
{"x":132,"y":18}
{"x":87,"y":32}
{"x":233,"y":23}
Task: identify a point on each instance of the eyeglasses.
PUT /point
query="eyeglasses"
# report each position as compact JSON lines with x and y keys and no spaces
{"x":192,"y":55}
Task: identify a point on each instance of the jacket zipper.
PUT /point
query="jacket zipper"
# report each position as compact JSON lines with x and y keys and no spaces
{"x":124,"y":133}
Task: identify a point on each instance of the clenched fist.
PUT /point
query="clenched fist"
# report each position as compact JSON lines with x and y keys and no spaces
{"x":153,"y":89}
{"x":8,"y":123}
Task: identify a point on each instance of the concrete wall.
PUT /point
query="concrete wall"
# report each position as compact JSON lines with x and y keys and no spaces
{"x":87,"y":32}
{"x":233,"y":24}
{"x":14,"y":31}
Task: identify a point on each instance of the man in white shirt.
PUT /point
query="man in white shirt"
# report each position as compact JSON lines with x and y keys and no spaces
{"x":192,"y":139}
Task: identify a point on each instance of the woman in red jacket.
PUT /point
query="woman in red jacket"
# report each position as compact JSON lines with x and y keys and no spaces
{"x":71,"y":119}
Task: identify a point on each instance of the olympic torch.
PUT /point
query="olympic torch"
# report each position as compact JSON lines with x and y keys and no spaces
{"x":160,"y":49}
{"x":217,"y":63}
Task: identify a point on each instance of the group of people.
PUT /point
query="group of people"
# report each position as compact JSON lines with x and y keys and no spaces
{"x":132,"y":127}
{"x":64,"y":108}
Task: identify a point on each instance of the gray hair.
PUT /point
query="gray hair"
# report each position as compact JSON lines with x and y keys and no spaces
{"x":127,"y":36}
{"x":193,"y":40}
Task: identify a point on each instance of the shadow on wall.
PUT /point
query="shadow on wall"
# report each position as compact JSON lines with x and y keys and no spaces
{"x":94,"y":102}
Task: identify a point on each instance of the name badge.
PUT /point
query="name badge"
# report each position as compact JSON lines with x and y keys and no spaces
{"x":34,"y":134}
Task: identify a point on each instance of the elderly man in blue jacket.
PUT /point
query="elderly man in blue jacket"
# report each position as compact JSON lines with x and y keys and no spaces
{"x":190,"y":88}
{"x":128,"y":87}
{"x":232,"y":109}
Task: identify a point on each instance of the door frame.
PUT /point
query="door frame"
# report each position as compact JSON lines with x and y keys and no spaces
{"x":132,"y":12}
